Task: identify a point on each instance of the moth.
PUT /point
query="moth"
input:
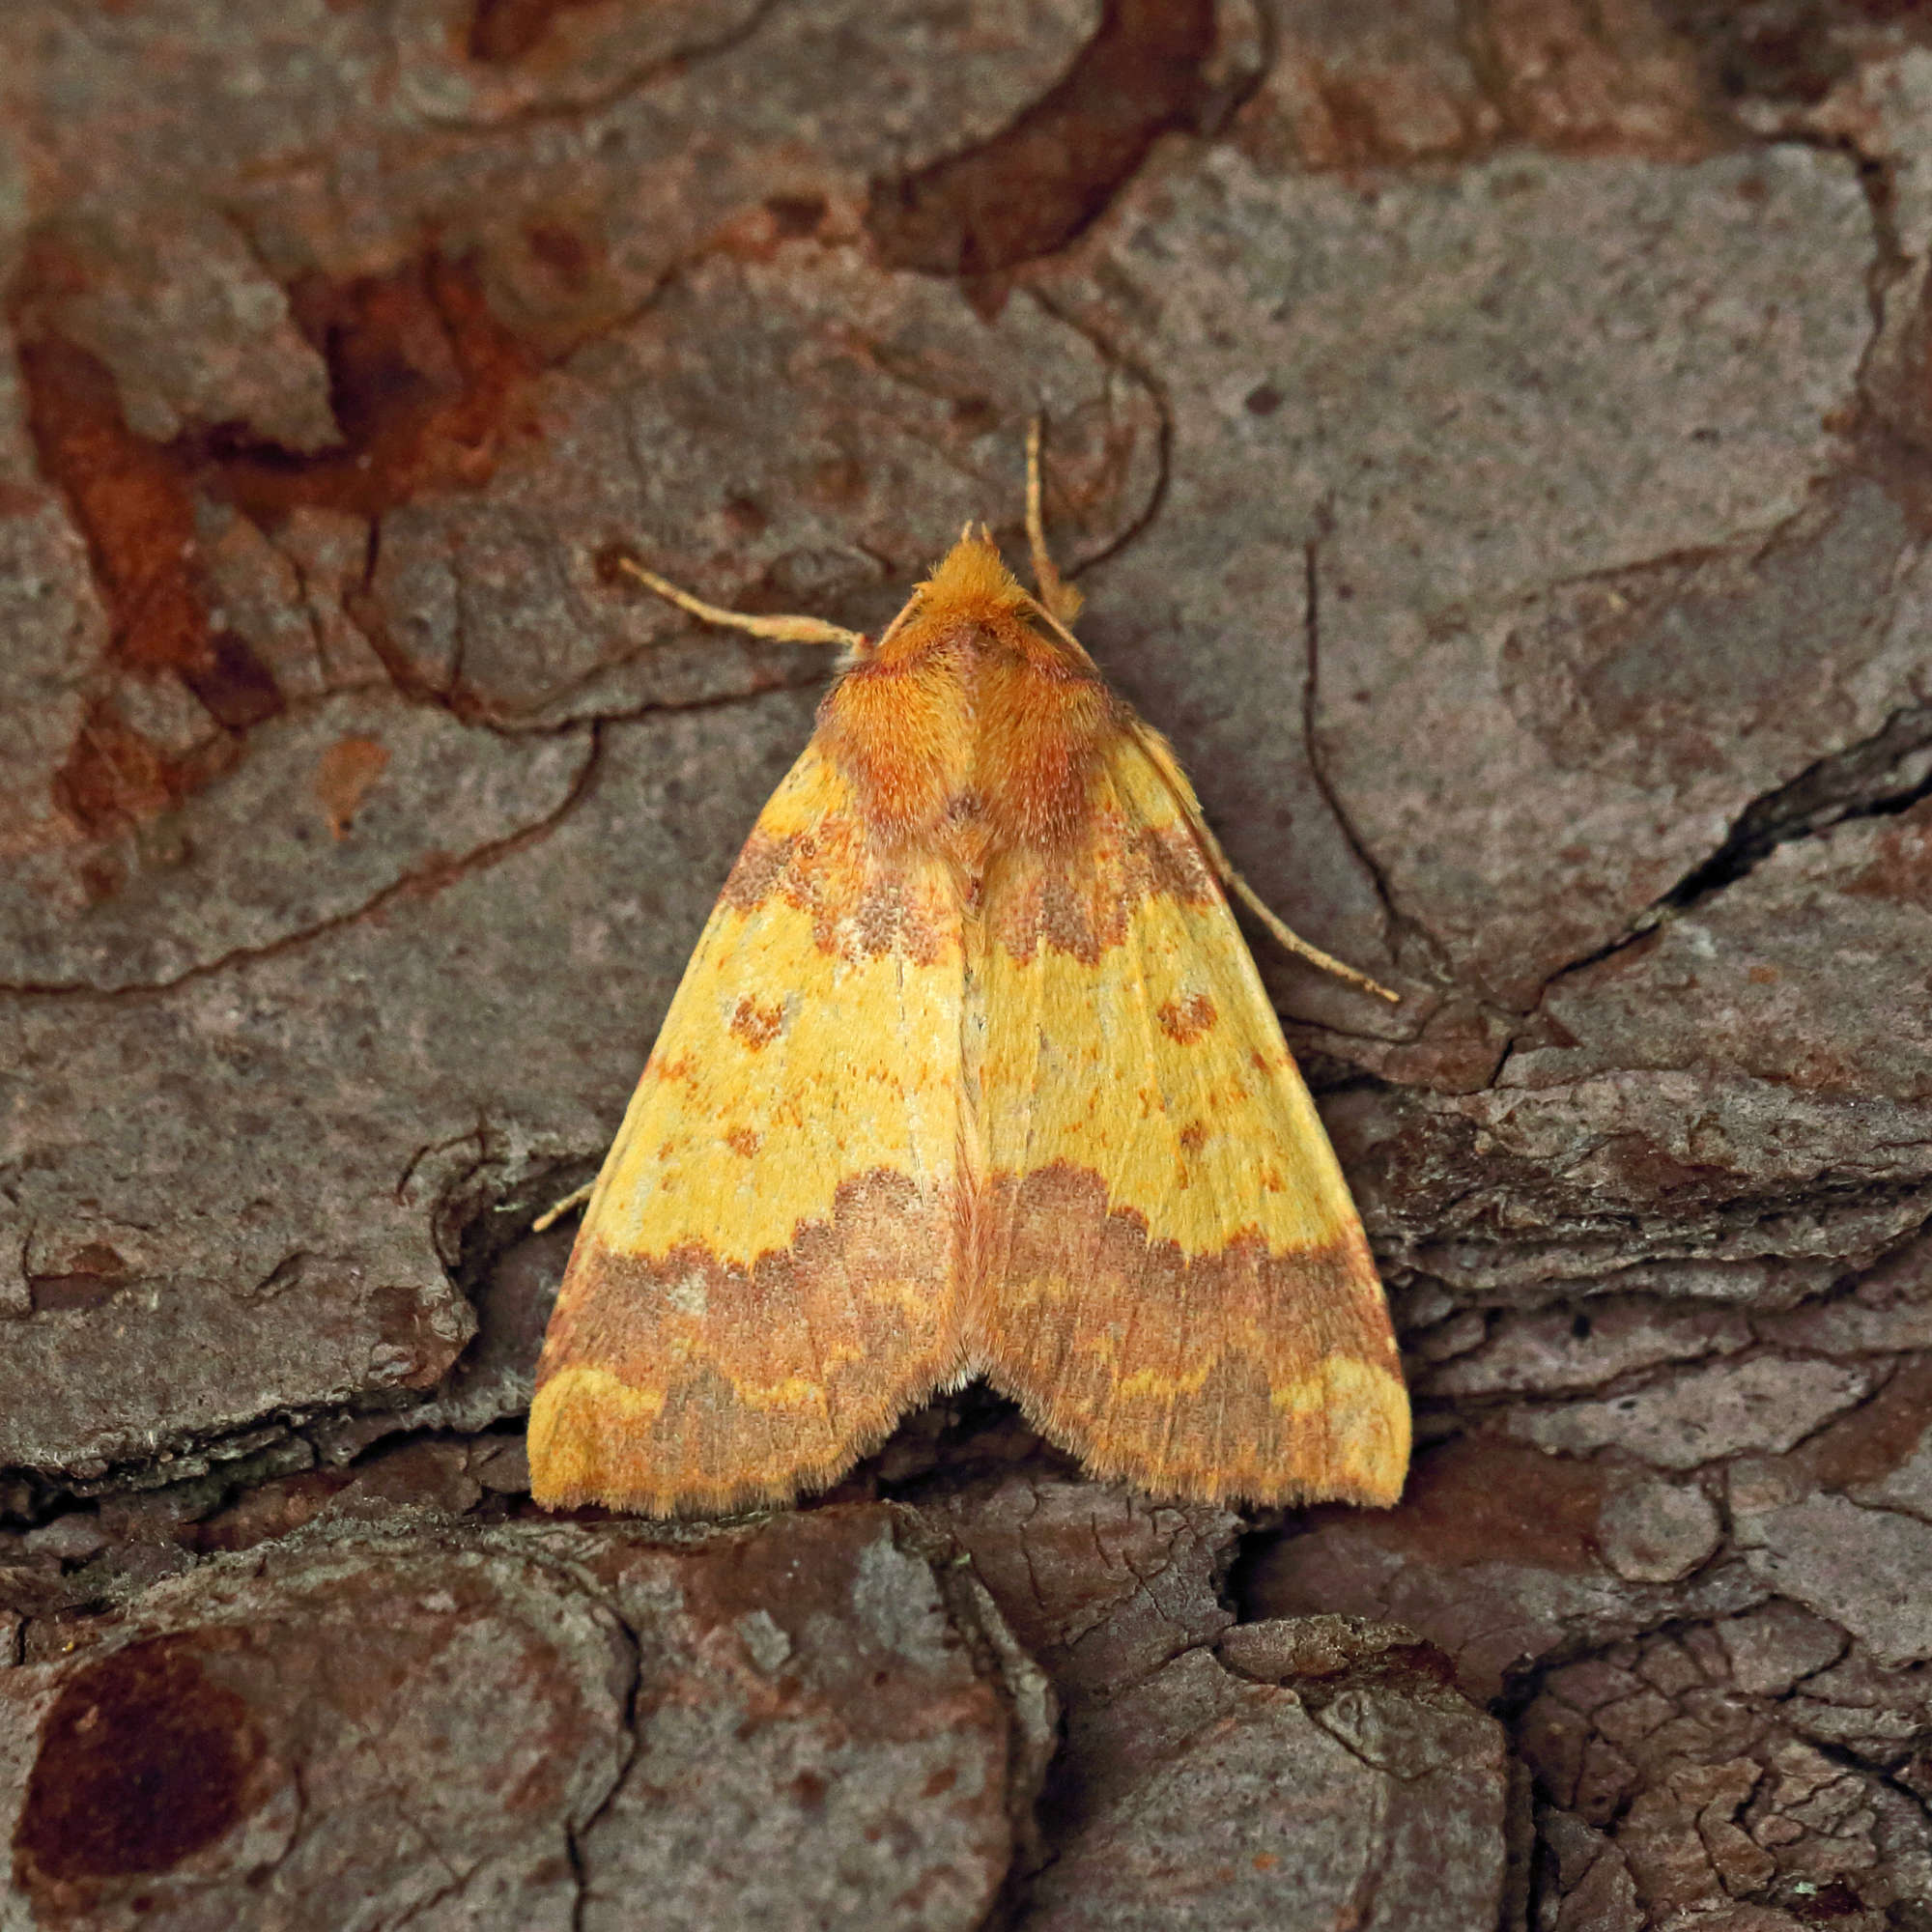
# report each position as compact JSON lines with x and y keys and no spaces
{"x":970,"y":1074}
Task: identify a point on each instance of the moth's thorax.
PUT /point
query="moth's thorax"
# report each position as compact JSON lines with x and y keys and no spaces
{"x":968,"y":727}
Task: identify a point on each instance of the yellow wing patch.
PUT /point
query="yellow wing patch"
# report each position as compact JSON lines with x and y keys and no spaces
{"x":1171,"y":1277}
{"x":764,"y":1278}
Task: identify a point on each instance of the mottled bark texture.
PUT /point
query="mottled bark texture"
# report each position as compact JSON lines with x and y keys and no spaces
{"x":1494,"y":439}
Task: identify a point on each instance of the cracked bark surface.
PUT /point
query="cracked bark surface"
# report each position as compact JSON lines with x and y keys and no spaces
{"x":1493,"y":442}
{"x":272,"y":1736}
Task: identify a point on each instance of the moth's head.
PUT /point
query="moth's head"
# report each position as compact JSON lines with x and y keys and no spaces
{"x":972,"y":580}
{"x":972,"y":589}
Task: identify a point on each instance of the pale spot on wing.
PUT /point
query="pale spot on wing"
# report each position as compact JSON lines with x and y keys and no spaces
{"x":688,"y":1295}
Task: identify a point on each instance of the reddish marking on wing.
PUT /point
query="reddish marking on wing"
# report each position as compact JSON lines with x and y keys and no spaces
{"x":1186,"y":1020}
{"x":755,"y":1025}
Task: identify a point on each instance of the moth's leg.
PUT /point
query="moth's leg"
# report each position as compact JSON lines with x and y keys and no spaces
{"x":1278,"y":927}
{"x":551,"y":1216}
{"x":1285,"y":935}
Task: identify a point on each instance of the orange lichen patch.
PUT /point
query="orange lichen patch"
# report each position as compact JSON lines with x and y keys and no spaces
{"x":743,"y":1142}
{"x":426,"y":384}
{"x":1048,"y":174}
{"x":342,"y":777}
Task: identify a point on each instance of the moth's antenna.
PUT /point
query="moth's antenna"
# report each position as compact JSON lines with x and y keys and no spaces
{"x":782,"y":630}
{"x":1058,"y":598}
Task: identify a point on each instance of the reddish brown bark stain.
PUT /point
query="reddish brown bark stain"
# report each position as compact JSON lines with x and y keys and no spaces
{"x":565,"y":253}
{"x":342,"y":779}
{"x":143,"y":1761}
{"x":1354,"y":126}
{"x":113,"y":777}
{"x":796,"y":215}
{"x":1830,"y":1901}
{"x":1788,"y":53}
{"x":427,"y":388}
{"x":1049,"y":173}
{"x":1900,"y":868}
{"x":94,"y":1276}
{"x":426,"y":384}
{"x":405,"y":1324}
{"x":795,"y":1574}
{"x":272,"y":1510}
{"x":1481,"y":1499}
{"x":132,"y":502}
{"x":1866,"y":1445}
{"x":503,"y":31}
{"x":127,"y":494}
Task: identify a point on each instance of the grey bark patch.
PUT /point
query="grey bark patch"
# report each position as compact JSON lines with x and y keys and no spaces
{"x":1655,"y":1532}
{"x":272,"y":851}
{"x":1227,"y":1799}
{"x":1862,"y":1567}
{"x":530,"y":1727}
{"x":1697,"y":1415}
